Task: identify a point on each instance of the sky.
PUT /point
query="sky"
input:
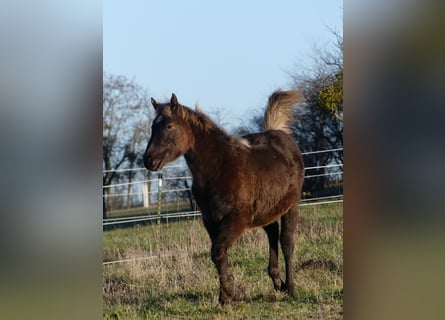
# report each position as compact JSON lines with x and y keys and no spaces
{"x":222,"y":55}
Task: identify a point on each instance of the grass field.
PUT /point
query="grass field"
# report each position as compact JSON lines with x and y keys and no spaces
{"x":177,"y":280}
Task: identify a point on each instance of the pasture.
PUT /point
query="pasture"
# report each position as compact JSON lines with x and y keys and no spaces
{"x":171,"y":275}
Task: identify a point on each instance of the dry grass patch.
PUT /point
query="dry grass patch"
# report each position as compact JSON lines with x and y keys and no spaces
{"x":176,"y":279}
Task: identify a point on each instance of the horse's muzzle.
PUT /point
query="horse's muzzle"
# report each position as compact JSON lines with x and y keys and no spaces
{"x":152,"y":164}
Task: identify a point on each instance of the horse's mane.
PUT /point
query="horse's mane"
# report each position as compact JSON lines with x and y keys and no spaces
{"x":197,"y":118}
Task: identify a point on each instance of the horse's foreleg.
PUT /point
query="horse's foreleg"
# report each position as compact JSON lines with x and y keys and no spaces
{"x":220,"y":259}
{"x":272,"y":231}
{"x":288,"y":227}
{"x":227,"y":235}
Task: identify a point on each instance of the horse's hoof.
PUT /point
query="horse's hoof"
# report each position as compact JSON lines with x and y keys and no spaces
{"x":278,"y":285}
{"x":236,"y":295}
{"x":224,"y":299}
{"x":223,"y":302}
{"x":289,"y":290}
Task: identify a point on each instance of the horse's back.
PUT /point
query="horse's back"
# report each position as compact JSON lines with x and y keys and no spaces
{"x":274,"y":148}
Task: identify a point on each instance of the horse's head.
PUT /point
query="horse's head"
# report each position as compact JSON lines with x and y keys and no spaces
{"x":171,"y":135}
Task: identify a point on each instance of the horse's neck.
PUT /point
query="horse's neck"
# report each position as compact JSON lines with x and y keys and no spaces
{"x":205,"y":158}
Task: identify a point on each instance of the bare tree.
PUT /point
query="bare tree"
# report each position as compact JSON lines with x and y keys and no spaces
{"x":253,"y":124}
{"x":126,"y":123}
{"x":320,"y":123}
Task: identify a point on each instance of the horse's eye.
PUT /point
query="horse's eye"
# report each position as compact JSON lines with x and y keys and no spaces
{"x":169,"y":126}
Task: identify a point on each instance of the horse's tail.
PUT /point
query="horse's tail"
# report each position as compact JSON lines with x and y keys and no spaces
{"x":279,"y":111}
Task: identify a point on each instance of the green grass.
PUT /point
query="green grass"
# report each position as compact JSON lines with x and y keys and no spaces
{"x":179,"y":281}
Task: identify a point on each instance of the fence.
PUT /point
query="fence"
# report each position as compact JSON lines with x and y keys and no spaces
{"x":168,"y":195}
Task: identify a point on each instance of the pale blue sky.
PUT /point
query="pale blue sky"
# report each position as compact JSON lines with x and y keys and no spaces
{"x":228,"y":55}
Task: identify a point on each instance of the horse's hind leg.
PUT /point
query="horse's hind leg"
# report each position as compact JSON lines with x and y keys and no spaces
{"x":272,"y":231}
{"x":288,"y":227}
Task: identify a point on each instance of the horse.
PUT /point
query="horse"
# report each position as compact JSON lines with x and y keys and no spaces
{"x":239,"y":183}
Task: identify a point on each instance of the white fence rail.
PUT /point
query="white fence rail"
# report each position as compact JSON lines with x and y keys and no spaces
{"x":159,"y":195}
{"x":183,"y":165}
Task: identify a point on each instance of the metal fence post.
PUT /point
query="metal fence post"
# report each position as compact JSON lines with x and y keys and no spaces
{"x":146,"y":194}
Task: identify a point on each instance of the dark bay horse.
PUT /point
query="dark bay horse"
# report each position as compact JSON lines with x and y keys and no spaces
{"x":238,"y":183}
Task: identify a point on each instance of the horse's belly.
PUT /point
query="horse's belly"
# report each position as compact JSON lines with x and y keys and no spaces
{"x":269,"y":210}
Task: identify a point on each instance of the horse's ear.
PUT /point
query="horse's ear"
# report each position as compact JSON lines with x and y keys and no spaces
{"x":154,"y":103}
{"x":174,"y":101}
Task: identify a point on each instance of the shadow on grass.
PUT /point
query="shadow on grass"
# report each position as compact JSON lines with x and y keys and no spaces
{"x":192,"y":296}
{"x":267,"y":297}
{"x":273,"y":297}
{"x":327,"y":264}
{"x":301,"y":296}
